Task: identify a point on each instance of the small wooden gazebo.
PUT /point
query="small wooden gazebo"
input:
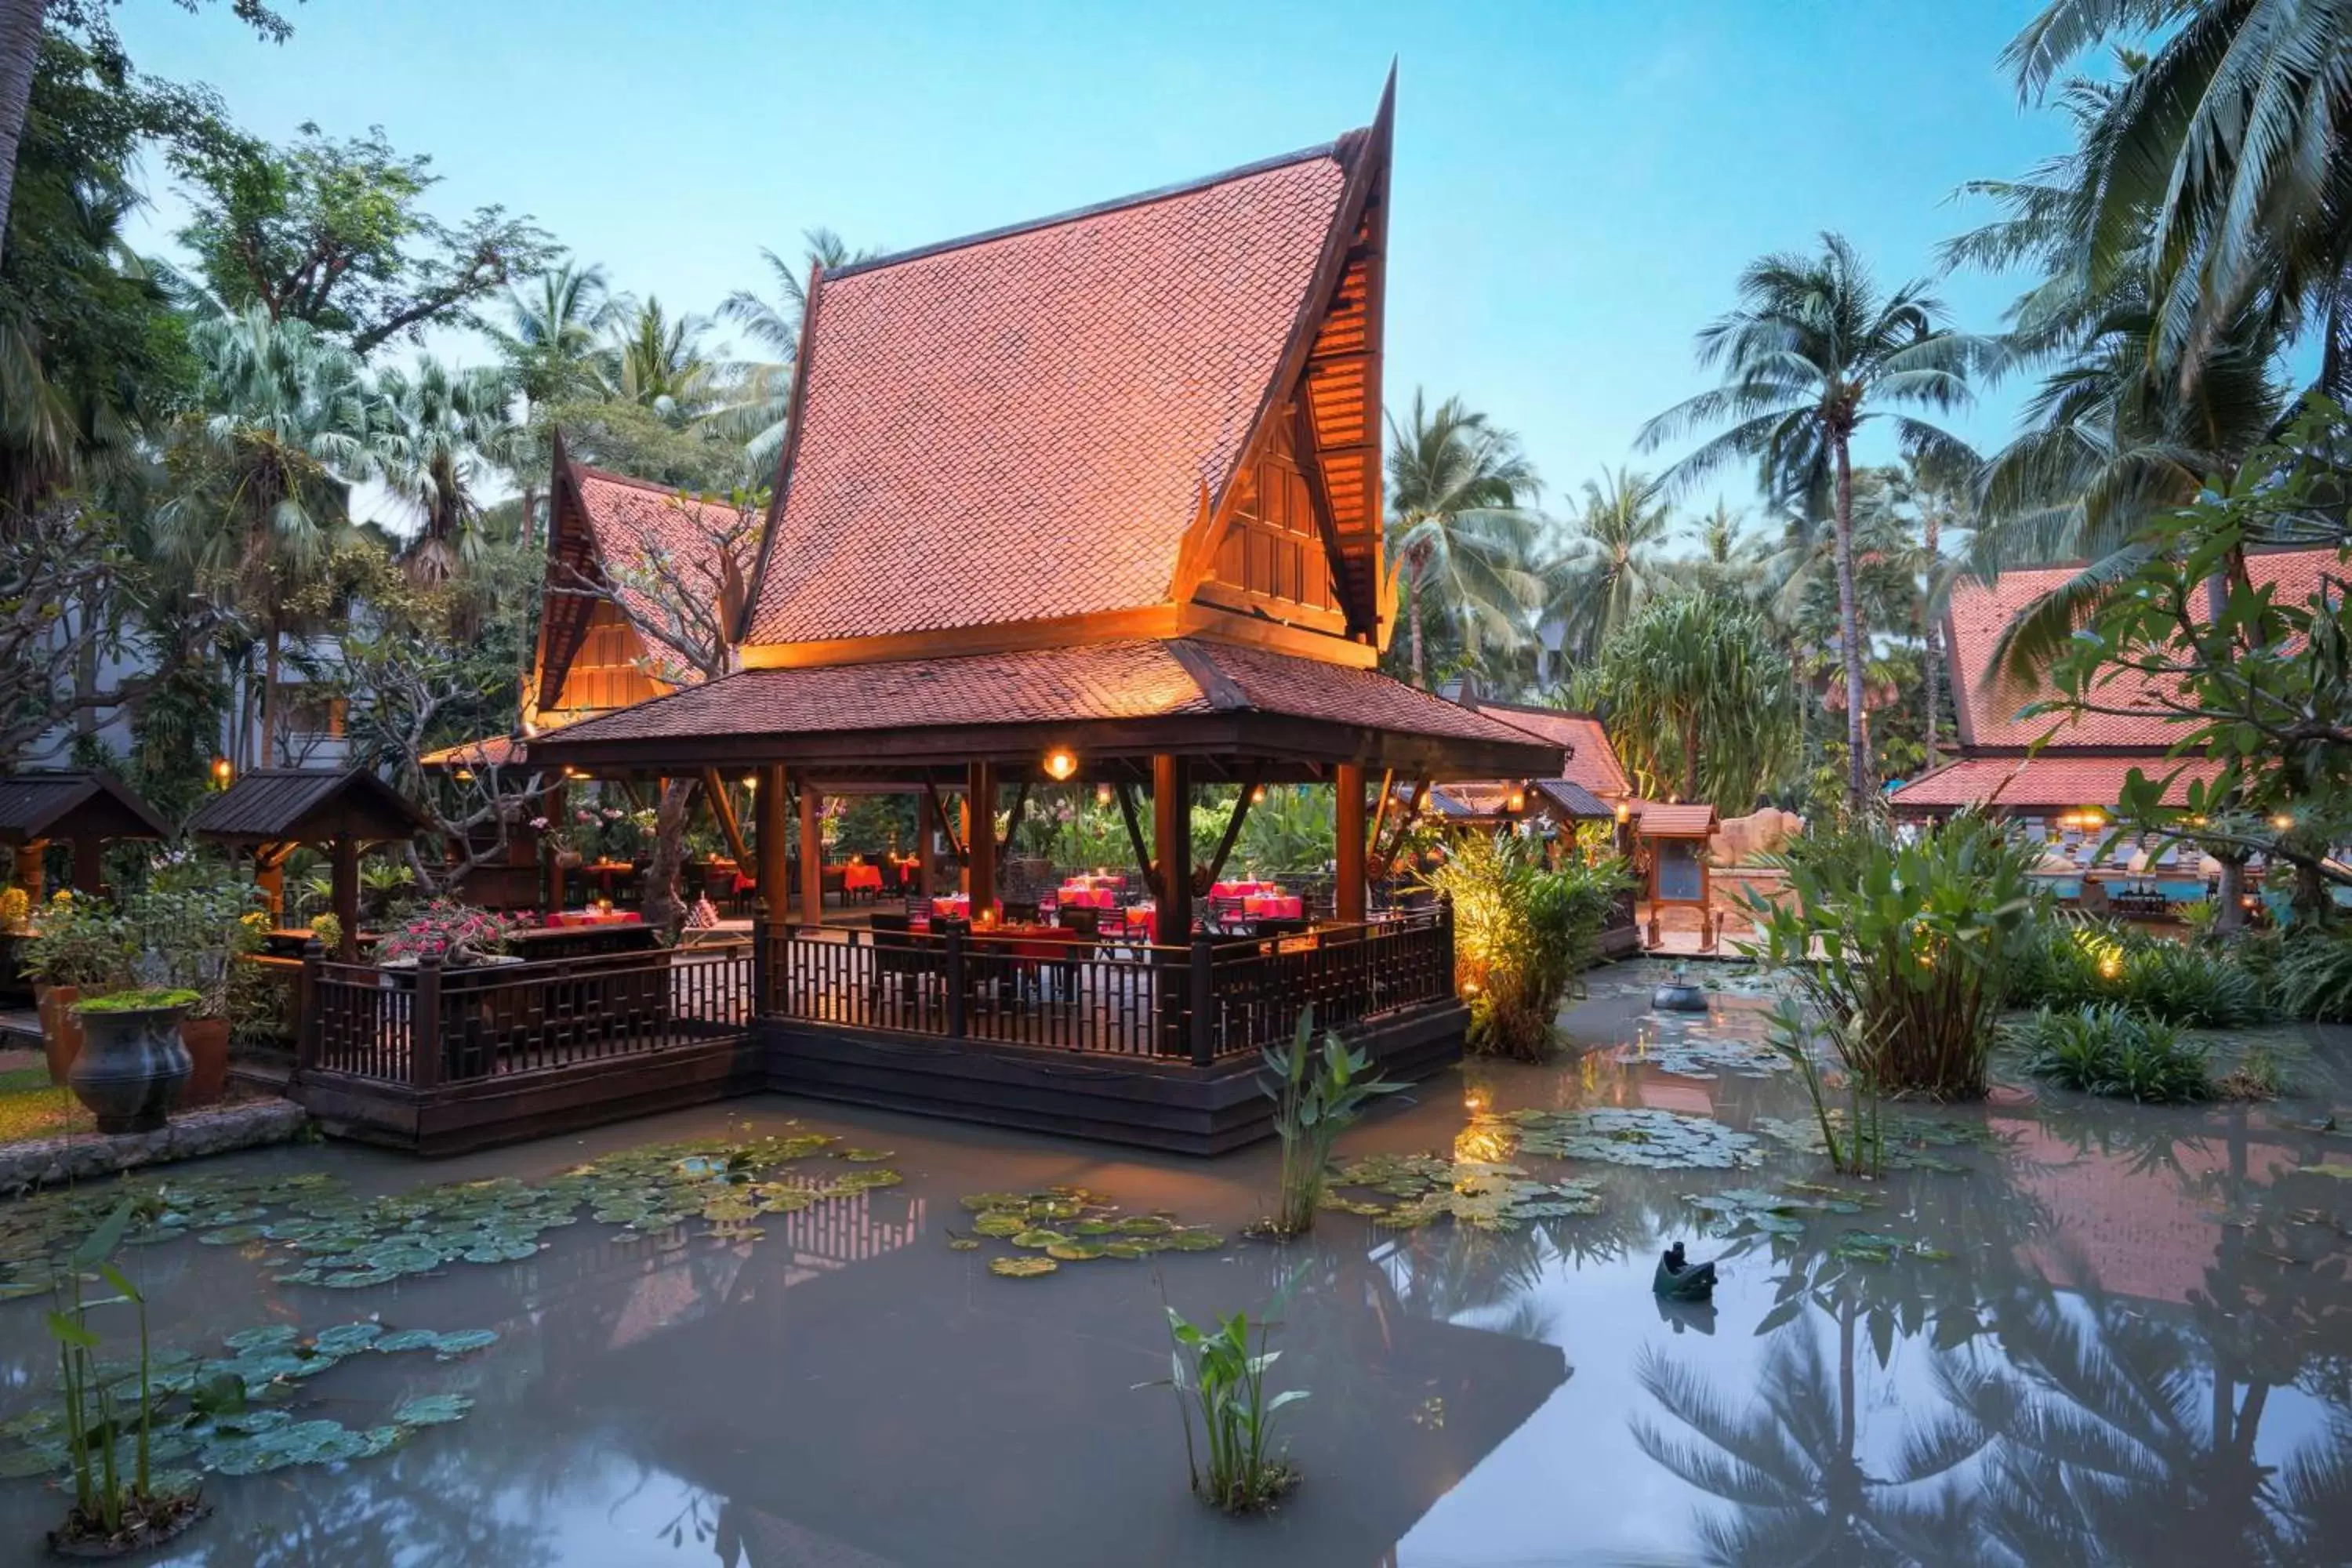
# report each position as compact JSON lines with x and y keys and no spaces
{"x":85,"y":809}
{"x":272,"y":812}
{"x":1671,"y":844}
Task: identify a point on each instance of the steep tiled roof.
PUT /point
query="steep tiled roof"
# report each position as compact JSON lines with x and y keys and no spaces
{"x":1131,"y":679}
{"x":490,"y":751}
{"x":1022,"y":427}
{"x":2051,"y":781}
{"x":1981,"y":612}
{"x":631,"y":523}
{"x":1592,"y":760}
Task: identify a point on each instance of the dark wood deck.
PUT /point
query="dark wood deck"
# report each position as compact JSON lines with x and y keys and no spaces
{"x":1154,"y":1047}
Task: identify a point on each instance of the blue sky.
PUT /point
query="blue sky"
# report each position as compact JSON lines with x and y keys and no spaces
{"x":1576,"y":183}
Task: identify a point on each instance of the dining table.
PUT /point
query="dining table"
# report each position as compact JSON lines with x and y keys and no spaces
{"x":567,"y":919}
{"x":858,"y":876}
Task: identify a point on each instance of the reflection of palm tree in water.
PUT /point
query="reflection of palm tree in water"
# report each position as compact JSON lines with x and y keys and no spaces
{"x":1791,"y":1463}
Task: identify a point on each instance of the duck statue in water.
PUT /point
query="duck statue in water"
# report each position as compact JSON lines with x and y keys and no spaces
{"x":1679,"y":1279}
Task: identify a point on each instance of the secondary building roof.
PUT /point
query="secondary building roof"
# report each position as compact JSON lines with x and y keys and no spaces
{"x":1652,"y":820}
{"x":305,"y":805}
{"x":38,"y":805}
{"x":2052,"y":781}
{"x":1591,"y":761}
{"x":1131,"y":696}
{"x":1989,"y":707}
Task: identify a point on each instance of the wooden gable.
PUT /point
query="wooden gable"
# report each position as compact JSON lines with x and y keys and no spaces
{"x":1274,"y":558}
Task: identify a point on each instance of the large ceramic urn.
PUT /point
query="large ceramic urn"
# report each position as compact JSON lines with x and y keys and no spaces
{"x":132,"y":1065}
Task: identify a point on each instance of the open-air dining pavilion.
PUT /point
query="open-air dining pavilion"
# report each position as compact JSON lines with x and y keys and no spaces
{"x":1087,"y":503}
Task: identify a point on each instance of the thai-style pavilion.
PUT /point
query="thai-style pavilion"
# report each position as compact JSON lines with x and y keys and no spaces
{"x":88,"y":810}
{"x":1090,"y":501}
{"x":1590,"y":785}
{"x":271,"y":812}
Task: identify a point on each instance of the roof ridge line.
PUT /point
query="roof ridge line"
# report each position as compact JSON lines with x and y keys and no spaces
{"x":1330,"y":149}
{"x":681,"y":492}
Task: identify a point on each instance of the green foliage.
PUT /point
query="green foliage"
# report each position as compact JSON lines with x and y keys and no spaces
{"x":2071,"y":962}
{"x":1699,"y":699}
{"x":2314,"y":978}
{"x":94,"y":1426}
{"x":2114,"y":1051}
{"x":327,"y":929}
{"x":1482,"y":1195}
{"x":80,"y":940}
{"x":1223,"y":1374}
{"x":1073,"y":1225}
{"x":1317,"y":1095}
{"x":1521,"y":934}
{"x":333,"y":232}
{"x":1904,"y":949}
{"x":1459,"y":539}
{"x":144,"y":999}
{"x":195,"y":920}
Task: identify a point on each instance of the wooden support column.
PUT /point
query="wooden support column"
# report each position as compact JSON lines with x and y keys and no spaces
{"x":269,"y":877}
{"x":347,"y":895}
{"x":29,"y":875}
{"x":89,"y":864}
{"x":979,"y":836}
{"x":559,"y":817}
{"x":927,"y":827}
{"x":1348,"y":819}
{"x":1171,"y":845}
{"x":812,"y":855}
{"x":722,"y":811}
{"x":772,"y":835}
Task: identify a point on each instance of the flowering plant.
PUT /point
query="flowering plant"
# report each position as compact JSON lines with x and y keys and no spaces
{"x":15,"y":910}
{"x":459,"y":934}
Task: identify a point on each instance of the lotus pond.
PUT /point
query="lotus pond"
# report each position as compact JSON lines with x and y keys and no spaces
{"x":776,"y":1332}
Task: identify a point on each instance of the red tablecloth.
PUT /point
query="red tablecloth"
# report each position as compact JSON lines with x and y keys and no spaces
{"x":952,"y":906}
{"x":1269,"y":907}
{"x":561,"y":917}
{"x":1072,"y":896}
{"x":856,"y":876}
{"x":1244,"y":890}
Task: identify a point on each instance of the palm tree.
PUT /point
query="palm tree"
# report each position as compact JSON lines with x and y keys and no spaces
{"x":552,"y":347}
{"x":659,"y":362}
{"x":439,"y":425}
{"x":2221,"y":172}
{"x":1812,"y":353}
{"x":1610,"y":564}
{"x":762,"y":401}
{"x":264,"y":474}
{"x":1459,"y":537}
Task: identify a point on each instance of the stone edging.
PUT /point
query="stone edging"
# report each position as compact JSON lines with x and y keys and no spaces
{"x":214,"y":1129}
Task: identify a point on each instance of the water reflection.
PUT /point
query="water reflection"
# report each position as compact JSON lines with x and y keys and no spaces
{"x":2136,"y":1352}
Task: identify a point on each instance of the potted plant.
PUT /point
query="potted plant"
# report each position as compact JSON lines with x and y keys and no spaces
{"x":78,"y":945}
{"x":199,"y":923}
{"x":559,"y":840}
{"x":132,"y":1065}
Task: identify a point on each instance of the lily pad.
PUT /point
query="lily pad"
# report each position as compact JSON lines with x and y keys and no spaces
{"x":864,"y":1156}
{"x":963,"y":1244}
{"x":1074,"y":1251}
{"x":1021,"y":1268}
{"x":1641,"y":1137}
{"x":431,"y":1410}
{"x":1039,"y":1239}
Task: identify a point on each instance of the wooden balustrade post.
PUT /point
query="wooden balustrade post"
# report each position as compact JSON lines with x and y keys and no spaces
{"x":424,"y":1025}
{"x":762,"y":965}
{"x":1204,"y":955}
{"x":308,"y":1025}
{"x":955,"y":981}
{"x":1348,"y":813}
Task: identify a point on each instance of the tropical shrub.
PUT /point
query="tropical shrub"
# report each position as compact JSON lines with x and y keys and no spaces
{"x":1904,"y":949}
{"x":2115,"y":1050}
{"x":1289,"y":833}
{"x":81,"y":940}
{"x":328,"y":930}
{"x":1317,"y":1095}
{"x":2314,"y":976}
{"x":1223,"y":1374}
{"x":16,"y":910}
{"x":194,"y":922}
{"x":1521,"y":934}
{"x":2062,"y":962}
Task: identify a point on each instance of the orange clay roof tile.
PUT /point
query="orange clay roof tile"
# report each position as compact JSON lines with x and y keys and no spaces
{"x":2048,"y":781}
{"x":1021,"y":427}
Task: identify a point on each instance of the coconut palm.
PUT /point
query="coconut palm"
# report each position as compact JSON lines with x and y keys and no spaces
{"x":658,"y":361}
{"x":440,"y":424}
{"x":2222,"y":170}
{"x":762,"y":399}
{"x":263,"y":476}
{"x":1460,"y":536}
{"x":552,"y":346}
{"x":1610,"y":564}
{"x":1813,"y":352}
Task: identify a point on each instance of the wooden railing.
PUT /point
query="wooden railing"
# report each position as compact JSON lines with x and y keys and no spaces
{"x":1215,"y":998}
{"x":432,"y":1025}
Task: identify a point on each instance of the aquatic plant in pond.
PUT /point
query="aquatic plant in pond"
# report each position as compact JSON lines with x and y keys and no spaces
{"x":1221,"y":1374}
{"x":1863,"y":1152}
{"x":1649,"y":1139}
{"x":1521,"y":934}
{"x":1071,"y":1225}
{"x":2114,"y":1051}
{"x":2064,"y":962}
{"x":1743,"y":1209}
{"x":1317,"y":1095}
{"x":1482,"y":1194}
{"x":1904,"y":1142}
{"x":1912,"y":941}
